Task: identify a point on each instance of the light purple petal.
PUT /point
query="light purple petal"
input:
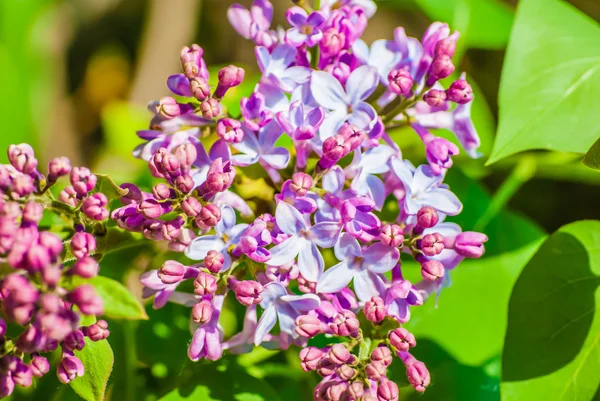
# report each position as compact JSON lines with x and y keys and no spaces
{"x":333,"y":181}
{"x":250,"y":150}
{"x":265,"y":324}
{"x":347,"y":248}
{"x":200,"y":246}
{"x":287,"y":319}
{"x":335,"y":278}
{"x":289,"y":220}
{"x":227,"y":221}
{"x":376,"y":190}
{"x":441,"y":199}
{"x":285,"y":252}
{"x":272,"y":292}
{"x":179,"y":84}
{"x":226,"y":261}
{"x":361,"y":83}
{"x":361,"y":51}
{"x":403,"y":172}
{"x":240,"y":19}
{"x":268,"y":135}
{"x":212,"y":340}
{"x":262,"y":13}
{"x":363,"y":116}
{"x":263,"y":57}
{"x":220,"y":149}
{"x":302,"y":303}
{"x":295,"y":38}
{"x":315,"y":117}
{"x":400,"y":310}
{"x":310,"y":262}
{"x":325,"y":234}
{"x":367,"y":285}
{"x":332,"y":123}
{"x":197,"y":345}
{"x":328,"y":91}
{"x":294,"y":76}
{"x":380,"y":258}
{"x":384,"y":56}
{"x":424,"y":179}
{"x":296,"y":16}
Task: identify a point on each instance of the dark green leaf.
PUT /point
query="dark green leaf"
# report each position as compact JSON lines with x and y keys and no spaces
{"x":119,"y":302}
{"x":550,"y":80}
{"x":592,"y":157}
{"x":552,"y":343}
{"x":98,"y":359}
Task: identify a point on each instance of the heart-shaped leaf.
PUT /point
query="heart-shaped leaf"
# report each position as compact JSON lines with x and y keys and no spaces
{"x":98,"y":360}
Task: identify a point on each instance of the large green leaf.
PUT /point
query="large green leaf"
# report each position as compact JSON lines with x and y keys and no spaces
{"x":550,"y":80}
{"x":592,"y":157}
{"x":98,"y":359}
{"x":208,"y":382}
{"x":119,"y":302}
{"x":552,"y":348}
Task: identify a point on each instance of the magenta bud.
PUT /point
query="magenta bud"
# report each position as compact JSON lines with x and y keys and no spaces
{"x":387,"y":390}
{"x":214,"y":261}
{"x":205,"y":284}
{"x":460,"y":92}
{"x":2,"y":328}
{"x":171,"y":229}
{"x":171,"y":272}
{"x":94,"y":206}
{"x":32,"y":212}
{"x":418,"y":375}
{"x":435,"y":98}
{"x":308,"y":326}
{"x":391,"y":235}
{"x":22,"y":158}
{"x":82,"y":244}
{"x":470,"y":244}
{"x":20,"y":372}
{"x":402,"y":339}
{"x":68,"y":196}
{"x":382,"y":354}
{"x":217,"y":182}
{"x":162,"y":192}
{"x":374,"y":309}
{"x":191,"y":60}
{"x":58,"y":167}
{"x":82,"y":180}
{"x":301,"y":183}
{"x":39,"y":366}
{"x":184,"y":183}
{"x":150,"y":209}
{"x":86,"y":267}
{"x":208,"y":217}
{"x":98,"y":331}
{"x":7,"y":385}
{"x":168,"y":108}
{"x":69,"y":368}
{"x":230,"y":130}
{"x":186,"y":154}
{"x":52,"y":243}
{"x":345,"y":324}
{"x":356,"y":390}
{"x":427,"y":217}
{"x":51,"y":275}
{"x":375,"y":370}
{"x":445,"y":47}
{"x":202,"y":312}
{"x":441,"y":68}
{"x":229,"y":77}
{"x":432,"y":269}
{"x":306,"y":286}
{"x":326,"y":367}
{"x":191,"y":207}
{"x":210,"y":108}
{"x":23,"y":185}
{"x":333,"y":42}
{"x":336,"y":391}
{"x":170,"y":166}
{"x":310,"y":358}
{"x":431,"y":244}
{"x":248,"y":292}
{"x":133,"y":195}
{"x":199,"y":88}
{"x":38,"y":258}
{"x":339,"y":354}
{"x":400,"y":82}
{"x":73,"y":341}
{"x":87,"y":300}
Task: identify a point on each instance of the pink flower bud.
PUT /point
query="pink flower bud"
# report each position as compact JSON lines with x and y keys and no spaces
{"x":69,"y":369}
{"x":7,"y":385}
{"x":345,"y":324}
{"x":374,"y":310}
{"x":333,"y":42}
{"x":199,"y":88}
{"x":162,"y":192}
{"x":68,"y":196}
{"x":382,"y":354}
{"x":87,"y":300}
{"x":446,"y":47}
{"x":326,"y":367}
{"x":52,"y":243}
{"x":248,"y":292}
{"x":427,"y":217}
{"x":402,"y":339}
{"x":73,"y":341}
{"x":82,"y":180}
{"x":306,"y":286}
{"x":230,"y":130}
{"x":400,"y":82}
{"x":184,"y":183}
{"x":431,"y":244}
{"x":210,"y":108}
{"x":229,"y":77}
{"x":387,"y":390}
{"x":375,"y":370}
{"x":98,"y":331}
{"x":191,"y":207}
{"x":356,"y":390}
{"x":418,"y":376}
{"x":308,"y":326}
{"x":310,"y":358}
{"x":20,"y":372}
{"x":391,"y":235}
{"x":202,"y":312}
{"x":22,"y":158}
{"x":339,"y":354}
{"x":39,"y":366}
{"x":435,"y":98}
{"x":171,"y":272}
{"x":82,"y":244}
{"x":345,"y":372}
{"x":170,"y":165}
{"x":86,"y":267}
{"x":23,"y":185}
{"x":168,"y":108}
{"x":186,"y":154}
{"x":191,"y":60}
{"x":58,"y":167}
{"x":205,"y":284}
{"x":301,"y":183}
{"x":336,"y":391}
{"x":214,"y":261}
{"x":460,"y":92}
{"x":432,"y":270}
{"x":94,"y":206}
{"x":172,"y":228}
{"x":470,"y":244}
{"x":441,"y":68}
{"x":208,"y":217}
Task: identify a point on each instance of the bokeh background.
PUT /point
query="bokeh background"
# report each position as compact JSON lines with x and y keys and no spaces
{"x":76,"y":75}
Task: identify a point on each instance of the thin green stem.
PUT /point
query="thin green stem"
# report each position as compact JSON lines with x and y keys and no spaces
{"x":129,"y":334}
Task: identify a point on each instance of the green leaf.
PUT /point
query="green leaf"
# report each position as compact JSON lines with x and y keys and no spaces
{"x":552,"y":349}
{"x":119,"y":302}
{"x":98,"y":360}
{"x":482,"y":23}
{"x":592,"y":157}
{"x":550,"y":80}
{"x":109,"y":188}
{"x":208,"y":382}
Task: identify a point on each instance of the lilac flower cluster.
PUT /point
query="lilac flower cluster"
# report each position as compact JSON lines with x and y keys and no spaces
{"x":317,"y":260}
{"x":39,"y":298}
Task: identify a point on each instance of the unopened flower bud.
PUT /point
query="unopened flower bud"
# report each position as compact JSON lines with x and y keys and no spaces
{"x":308,"y":326}
{"x":199,"y":88}
{"x":191,"y":207}
{"x":171,"y":229}
{"x":82,"y":244}
{"x":32,"y":212}
{"x":23,"y":185}
{"x":20,"y":372}
{"x":210,"y":108}
{"x":86,"y":267}
{"x":431,"y":244}
{"x":214,"y":261}
{"x":38,"y":258}
{"x":202,"y":312}
{"x":184,"y":183}
{"x":326,"y":367}
{"x":58,"y":167}
{"x":441,"y":68}
{"x":170,"y":166}
{"x":339,"y":354}
{"x":427,"y":217}
{"x":375,"y":370}
{"x":7,"y":385}
{"x":435,"y":98}
{"x":400,"y":82}
{"x":356,"y":390}
{"x":382,"y":354}
{"x":310,"y":357}
{"x":387,"y":390}
{"x":230,"y":130}
{"x":248,"y":292}
{"x":470,"y":244}
{"x":53,"y":244}
{"x":87,"y":300}
{"x":186,"y":154}
{"x":432,"y":269}
{"x":345,"y":324}
{"x":39,"y":366}
{"x":171,"y":272}
{"x":391,"y":235}
{"x":418,"y":376}
{"x":205,"y":284}
{"x":191,"y":60}
{"x":162,"y":192}
{"x":208,"y":217}
{"x":374,"y":310}
{"x":301,"y":183}
{"x":306,"y":286}
{"x":460,"y":92}
{"x":336,"y":391}
{"x":98,"y":331}
{"x":22,"y":158}
{"x":82,"y":180}
{"x":70,"y":368}
{"x":94,"y":206}
{"x":229,"y":77}
{"x":168,"y":108}
{"x":74,"y":341}
{"x":402,"y":339}
{"x":333,"y":41}
{"x":68,"y":196}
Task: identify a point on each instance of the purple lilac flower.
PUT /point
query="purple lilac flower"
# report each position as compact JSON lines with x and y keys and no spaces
{"x":206,"y":342}
{"x":399,"y":297}
{"x":277,"y":69}
{"x":305,"y":27}
{"x":254,"y":23}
